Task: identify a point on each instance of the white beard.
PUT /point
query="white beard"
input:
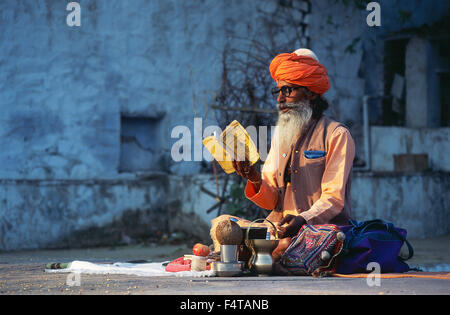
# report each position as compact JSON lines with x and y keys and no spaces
{"x":292,"y":123}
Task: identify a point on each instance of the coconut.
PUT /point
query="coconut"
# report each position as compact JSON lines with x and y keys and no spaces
{"x":228,"y":233}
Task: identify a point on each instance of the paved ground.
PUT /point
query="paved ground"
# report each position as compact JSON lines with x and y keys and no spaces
{"x":23,"y":273}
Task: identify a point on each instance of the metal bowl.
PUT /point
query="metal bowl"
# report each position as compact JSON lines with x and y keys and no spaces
{"x":229,"y":269}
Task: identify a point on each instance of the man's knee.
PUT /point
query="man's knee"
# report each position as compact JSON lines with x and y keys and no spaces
{"x":281,"y":248}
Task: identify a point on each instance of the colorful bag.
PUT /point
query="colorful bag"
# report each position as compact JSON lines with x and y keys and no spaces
{"x":313,"y":251}
{"x":373,"y":241}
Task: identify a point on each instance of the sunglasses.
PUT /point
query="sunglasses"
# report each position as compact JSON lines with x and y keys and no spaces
{"x":285,"y":90}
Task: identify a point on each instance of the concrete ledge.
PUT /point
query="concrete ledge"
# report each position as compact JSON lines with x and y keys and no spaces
{"x":72,"y":213}
{"x":76,"y":213}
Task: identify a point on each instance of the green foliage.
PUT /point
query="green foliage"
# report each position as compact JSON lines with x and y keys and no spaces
{"x":360,"y":5}
{"x":351,"y":47}
{"x":405,"y":16}
{"x":237,"y":203}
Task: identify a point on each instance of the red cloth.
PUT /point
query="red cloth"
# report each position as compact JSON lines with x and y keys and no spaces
{"x":300,"y":70}
{"x":181,"y":264}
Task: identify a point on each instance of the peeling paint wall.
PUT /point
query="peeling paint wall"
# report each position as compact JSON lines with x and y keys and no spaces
{"x":387,"y":141}
{"x":52,"y":214}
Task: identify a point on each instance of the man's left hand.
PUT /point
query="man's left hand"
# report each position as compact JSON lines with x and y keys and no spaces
{"x":294,"y":224}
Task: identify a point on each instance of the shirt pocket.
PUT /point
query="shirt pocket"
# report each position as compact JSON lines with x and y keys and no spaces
{"x":311,"y":171}
{"x":315,"y":158}
{"x":314,"y":155}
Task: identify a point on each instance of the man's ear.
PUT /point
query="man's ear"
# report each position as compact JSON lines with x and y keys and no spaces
{"x":311,"y":95}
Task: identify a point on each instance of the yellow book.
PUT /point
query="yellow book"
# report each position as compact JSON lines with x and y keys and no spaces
{"x":234,"y":143}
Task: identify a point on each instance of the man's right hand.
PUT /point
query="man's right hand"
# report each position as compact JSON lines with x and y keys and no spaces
{"x":247,"y":171}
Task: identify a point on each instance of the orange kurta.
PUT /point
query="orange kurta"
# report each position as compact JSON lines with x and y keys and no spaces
{"x":329,"y":195}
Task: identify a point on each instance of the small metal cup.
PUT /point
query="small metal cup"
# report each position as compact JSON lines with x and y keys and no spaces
{"x":229,"y":253}
{"x":198,"y":263}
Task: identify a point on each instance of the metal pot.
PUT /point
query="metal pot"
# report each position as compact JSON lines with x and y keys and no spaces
{"x":261,"y":261}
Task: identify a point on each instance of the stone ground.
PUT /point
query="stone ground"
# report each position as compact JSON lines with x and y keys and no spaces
{"x":23,"y":273}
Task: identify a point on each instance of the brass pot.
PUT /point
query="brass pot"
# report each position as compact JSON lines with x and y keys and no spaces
{"x":261,"y":261}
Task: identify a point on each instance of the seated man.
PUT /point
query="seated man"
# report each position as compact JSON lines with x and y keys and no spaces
{"x":306,"y":176}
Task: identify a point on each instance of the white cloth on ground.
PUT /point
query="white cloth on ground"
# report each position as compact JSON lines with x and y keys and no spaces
{"x":137,"y":269}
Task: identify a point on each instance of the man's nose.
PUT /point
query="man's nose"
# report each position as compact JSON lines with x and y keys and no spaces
{"x":281,"y":98}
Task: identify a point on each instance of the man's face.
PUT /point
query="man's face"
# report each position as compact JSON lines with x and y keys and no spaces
{"x":297,"y":94}
{"x":294,"y":112}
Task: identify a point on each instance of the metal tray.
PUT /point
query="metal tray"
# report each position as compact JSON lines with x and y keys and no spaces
{"x":231,"y":269}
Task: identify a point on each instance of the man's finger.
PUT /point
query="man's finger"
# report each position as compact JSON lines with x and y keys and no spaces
{"x":237,"y":167}
{"x":272,"y":231}
{"x":282,"y":235}
{"x":285,"y":219}
{"x":242,"y":168}
{"x":290,"y":229}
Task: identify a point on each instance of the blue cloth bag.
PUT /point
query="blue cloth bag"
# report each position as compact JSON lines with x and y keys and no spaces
{"x":373,"y":241}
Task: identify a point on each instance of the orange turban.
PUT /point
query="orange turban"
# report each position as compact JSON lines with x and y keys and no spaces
{"x":300,"y":70}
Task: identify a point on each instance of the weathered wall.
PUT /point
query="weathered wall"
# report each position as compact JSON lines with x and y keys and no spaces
{"x":354,"y":53}
{"x":417,"y":202}
{"x":51,"y":214}
{"x":46,"y":214}
{"x":63,"y":91}
{"x":387,"y":141}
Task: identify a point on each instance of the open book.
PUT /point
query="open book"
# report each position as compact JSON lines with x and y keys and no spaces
{"x":234,"y":143}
